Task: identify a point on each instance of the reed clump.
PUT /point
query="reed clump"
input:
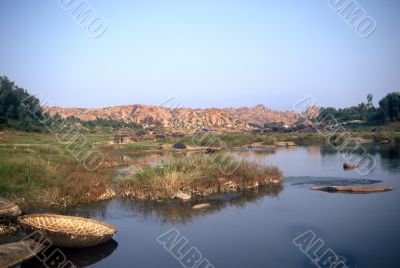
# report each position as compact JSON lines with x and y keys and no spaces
{"x":199,"y":175}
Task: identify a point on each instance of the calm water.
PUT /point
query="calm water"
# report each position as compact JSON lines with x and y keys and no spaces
{"x":257,"y":230}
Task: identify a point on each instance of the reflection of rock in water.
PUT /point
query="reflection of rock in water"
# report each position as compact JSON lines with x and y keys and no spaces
{"x":177,"y":212}
{"x":256,"y":155}
{"x":79,"y":257}
{"x":314,"y":151}
{"x":388,"y":155}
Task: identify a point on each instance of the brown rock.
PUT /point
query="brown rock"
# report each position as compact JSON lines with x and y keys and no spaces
{"x":183,"y":196}
{"x":9,"y":210}
{"x":362,"y":140}
{"x":107,"y":195}
{"x":187,"y":118}
{"x":201,"y":206}
{"x":352,"y":189}
{"x":280,"y":144}
{"x":285,"y":144}
{"x":349,"y":165}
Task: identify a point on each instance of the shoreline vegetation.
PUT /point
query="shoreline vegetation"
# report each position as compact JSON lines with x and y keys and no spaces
{"x":198,"y":175}
{"x":41,"y":163}
{"x":36,"y":171}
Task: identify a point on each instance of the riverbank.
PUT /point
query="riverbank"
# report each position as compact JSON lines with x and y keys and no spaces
{"x":37,"y":171}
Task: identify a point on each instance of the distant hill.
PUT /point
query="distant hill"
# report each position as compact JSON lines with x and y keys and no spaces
{"x":146,"y":115}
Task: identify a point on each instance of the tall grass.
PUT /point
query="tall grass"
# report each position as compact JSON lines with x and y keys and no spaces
{"x":199,"y":175}
{"x":46,"y":175}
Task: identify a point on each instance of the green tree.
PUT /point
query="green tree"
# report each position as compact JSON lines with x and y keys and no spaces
{"x":18,"y":109}
{"x":370,"y":97}
{"x":390,"y":107}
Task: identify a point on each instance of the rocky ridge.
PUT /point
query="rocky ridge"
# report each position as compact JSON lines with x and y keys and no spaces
{"x":187,"y":118}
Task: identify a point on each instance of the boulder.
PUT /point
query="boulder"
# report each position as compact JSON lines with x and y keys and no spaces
{"x":202,"y":206}
{"x":352,"y":189}
{"x":258,"y":146}
{"x":179,"y":146}
{"x":349,"y":165}
{"x":107,"y":195}
{"x":183,"y":196}
{"x":362,"y":140}
{"x":285,"y":144}
{"x":280,"y":144}
{"x":8,"y":210}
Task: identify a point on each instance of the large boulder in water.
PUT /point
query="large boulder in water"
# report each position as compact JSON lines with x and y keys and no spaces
{"x":349,"y":165}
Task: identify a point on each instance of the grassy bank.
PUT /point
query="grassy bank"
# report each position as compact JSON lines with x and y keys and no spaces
{"x":199,"y":175}
{"x":35,"y":174}
{"x":313,"y":138}
{"x":35,"y":170}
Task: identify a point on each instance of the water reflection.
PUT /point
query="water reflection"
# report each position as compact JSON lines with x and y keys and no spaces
{"x":262,"y":235}
{"x":174,"y":212}
{"x":318,"y":181}
{"x":79,"y":257}
{"x":387,"y":155}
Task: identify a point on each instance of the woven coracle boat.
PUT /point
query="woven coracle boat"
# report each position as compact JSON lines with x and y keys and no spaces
{"x":66,"y":231}
{"x":15,"y":253}
{"x":77,"y":256}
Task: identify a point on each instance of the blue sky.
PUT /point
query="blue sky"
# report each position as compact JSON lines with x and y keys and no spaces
{"x":208,"y":53}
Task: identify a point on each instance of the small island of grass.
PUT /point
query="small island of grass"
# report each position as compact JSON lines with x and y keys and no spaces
{"x":199,"y":175}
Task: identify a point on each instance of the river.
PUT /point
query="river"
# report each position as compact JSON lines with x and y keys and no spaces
{"x":262,"y":229}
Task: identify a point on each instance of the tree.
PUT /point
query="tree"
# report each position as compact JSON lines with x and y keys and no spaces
{"x":18,"y":109}
{"x":390,"y":107}
{"x":370,"y":97}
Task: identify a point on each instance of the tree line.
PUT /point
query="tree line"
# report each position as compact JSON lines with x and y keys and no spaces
{"x":22,"y":111}
{"x":18,"y":109}
{"x":387,"y":111}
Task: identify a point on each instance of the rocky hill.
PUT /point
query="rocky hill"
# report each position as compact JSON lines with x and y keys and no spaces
{"x":259,"y":115}
{"x":226,"y":118}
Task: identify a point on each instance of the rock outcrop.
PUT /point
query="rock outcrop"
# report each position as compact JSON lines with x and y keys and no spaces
{"x":187,"y":118}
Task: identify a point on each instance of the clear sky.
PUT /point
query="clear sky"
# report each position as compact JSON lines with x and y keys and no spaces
{"x":204,"y":53}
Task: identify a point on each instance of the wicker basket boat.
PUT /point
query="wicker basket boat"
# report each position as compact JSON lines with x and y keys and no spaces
{"x":14,"y":254}
{"x":77,"y":256}
{"x":67,"y":231}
